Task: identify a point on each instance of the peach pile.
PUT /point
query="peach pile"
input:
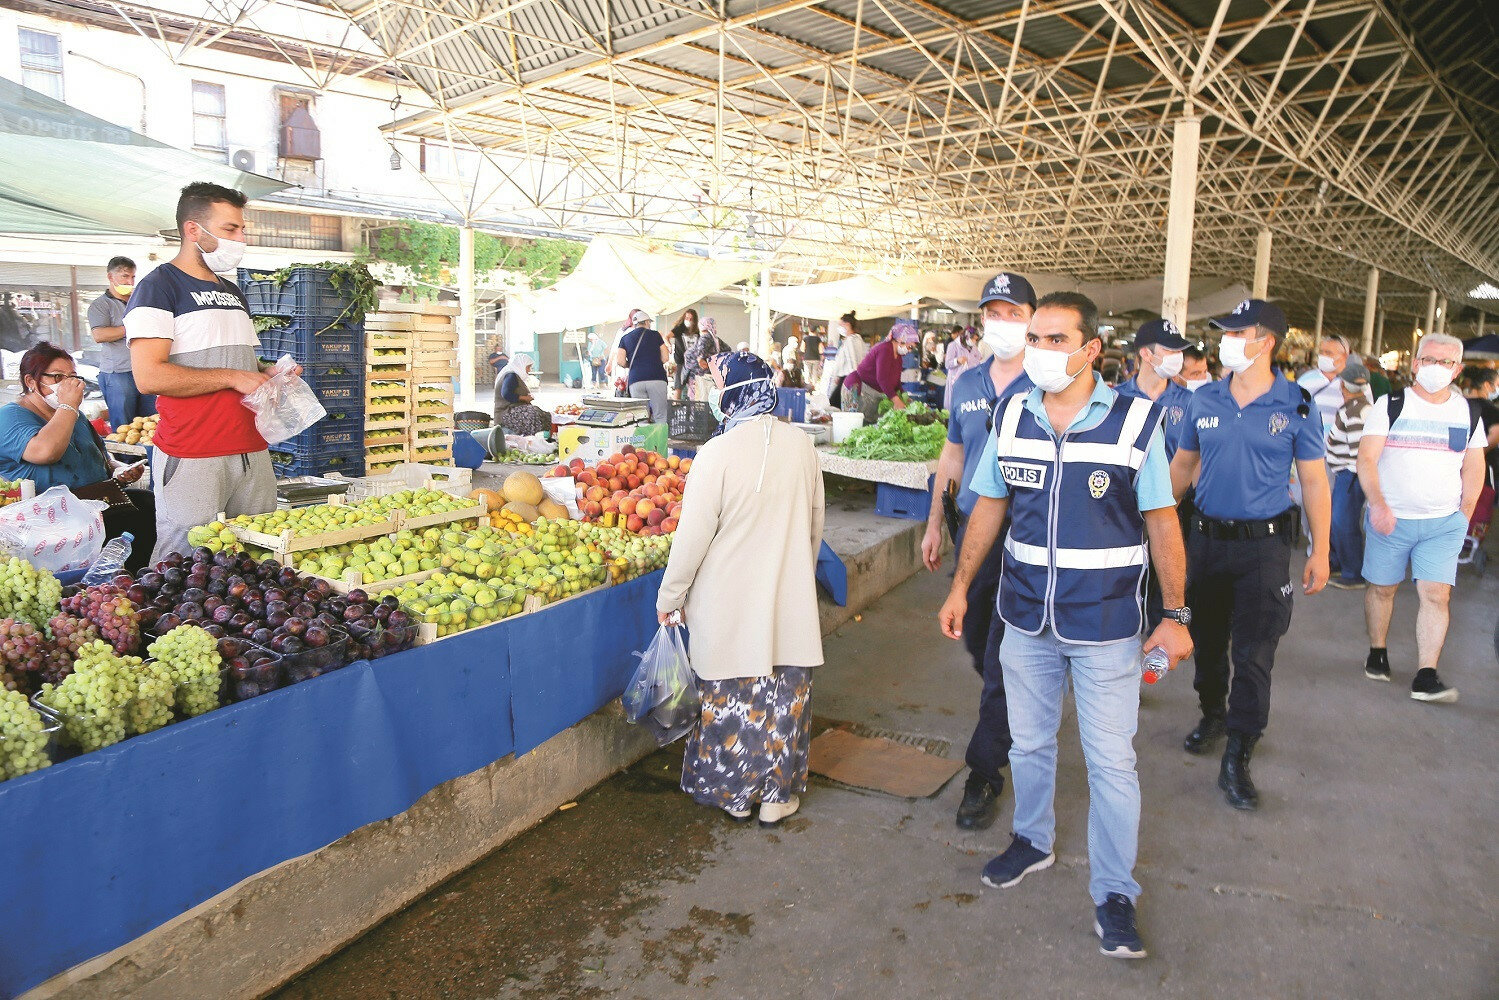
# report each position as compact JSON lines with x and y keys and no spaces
{"x":639,"y":491}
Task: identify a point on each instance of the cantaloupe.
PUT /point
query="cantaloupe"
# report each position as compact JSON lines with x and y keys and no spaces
{"x":522,"y":487}
{"x":550,"y":508}
{"x":492,"y":501}
{"x":526,"y":511}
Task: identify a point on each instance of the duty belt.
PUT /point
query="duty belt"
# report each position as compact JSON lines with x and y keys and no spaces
{"x":1286,"y":525}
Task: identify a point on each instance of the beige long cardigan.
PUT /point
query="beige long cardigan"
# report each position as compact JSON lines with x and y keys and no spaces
{"x":745,"y":553}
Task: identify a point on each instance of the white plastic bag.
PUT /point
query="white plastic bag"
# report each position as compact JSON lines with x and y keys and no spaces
{"x":284,"y":406}
{"x":54,"y":531}
{"x":662,"y":696}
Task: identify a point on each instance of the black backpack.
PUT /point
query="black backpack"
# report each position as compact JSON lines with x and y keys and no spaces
{"x":1397,"y":403}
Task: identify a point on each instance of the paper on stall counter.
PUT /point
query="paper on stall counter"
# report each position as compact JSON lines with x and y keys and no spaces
{"x":881,"y":765}
{"x":563,"y":490}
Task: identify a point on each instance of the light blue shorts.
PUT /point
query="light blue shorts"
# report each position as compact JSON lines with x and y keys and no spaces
{"x":1428,"y":545}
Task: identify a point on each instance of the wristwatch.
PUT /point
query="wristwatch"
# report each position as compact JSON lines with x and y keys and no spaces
{"x":1182,"y":616}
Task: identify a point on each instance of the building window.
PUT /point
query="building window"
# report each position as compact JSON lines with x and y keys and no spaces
{"x":41,"y":62}
{"x":209,"y":129}
{"x":293,"y":230}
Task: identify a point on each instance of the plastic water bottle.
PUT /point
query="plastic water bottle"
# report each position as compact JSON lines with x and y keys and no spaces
{"x":110,"y":562}
{"x":1154,"y":665}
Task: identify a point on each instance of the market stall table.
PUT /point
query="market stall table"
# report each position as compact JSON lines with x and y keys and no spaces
{"x":903,"y":489}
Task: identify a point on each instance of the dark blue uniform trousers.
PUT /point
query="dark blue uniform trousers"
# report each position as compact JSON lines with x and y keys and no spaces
{"x":983,"y":631}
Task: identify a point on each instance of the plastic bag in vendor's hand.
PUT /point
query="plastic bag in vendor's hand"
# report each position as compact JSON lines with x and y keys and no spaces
{"x":662,"y":694}
{"x":54,"y":531}
{"x":284,"y":406}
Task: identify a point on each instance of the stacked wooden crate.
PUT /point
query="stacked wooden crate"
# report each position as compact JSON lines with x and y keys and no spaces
{"x":429,"y":333}
{"x":387,"y":419}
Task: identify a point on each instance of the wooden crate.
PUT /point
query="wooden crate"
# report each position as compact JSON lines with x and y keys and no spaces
{"x":430,"y":308}
{"x":442,"y":517}
{"x":286,"y":542}
{"x":353,"y":579}
{"x":401,"y":421}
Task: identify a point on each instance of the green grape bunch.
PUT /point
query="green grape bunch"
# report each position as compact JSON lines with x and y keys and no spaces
{"x":191,"y":658}
{"x":94,"y":700}
{"x":23,"y":737}
{"x":27,"y":593}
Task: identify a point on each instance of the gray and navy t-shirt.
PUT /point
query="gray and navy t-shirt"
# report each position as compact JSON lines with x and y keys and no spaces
{"x":106,"y":310}
{"x":209,"y":325}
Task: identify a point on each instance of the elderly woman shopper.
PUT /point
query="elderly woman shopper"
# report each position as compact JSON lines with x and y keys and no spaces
{"x":514,"y":408}
{"x":707,"y":345}
{"x":644,"y":353}
{"x":750,"y":530}
{"x":878,"y":376}
{"x":44,"y":438}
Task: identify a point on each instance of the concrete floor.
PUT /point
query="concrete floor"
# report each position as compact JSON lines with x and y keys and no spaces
{"x":1369,"y":871}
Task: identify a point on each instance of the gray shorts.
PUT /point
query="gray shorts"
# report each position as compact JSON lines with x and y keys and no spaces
{"x":655,"y":393}
{"x":194,"y":491}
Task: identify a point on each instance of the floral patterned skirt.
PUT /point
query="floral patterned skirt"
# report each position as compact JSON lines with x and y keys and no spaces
{"x":752,"y":741}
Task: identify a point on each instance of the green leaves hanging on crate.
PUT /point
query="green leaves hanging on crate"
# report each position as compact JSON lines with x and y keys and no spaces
{"x":351,"y":279}
{"x":430,"y":251}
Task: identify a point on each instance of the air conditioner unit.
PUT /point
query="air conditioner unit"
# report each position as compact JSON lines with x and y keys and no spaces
{"x":243,"y":159}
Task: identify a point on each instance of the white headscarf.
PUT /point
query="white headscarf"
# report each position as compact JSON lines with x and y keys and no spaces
{"x":520,"y":365}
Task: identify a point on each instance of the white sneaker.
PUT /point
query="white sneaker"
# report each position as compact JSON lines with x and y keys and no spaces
{"x":772,"y":813}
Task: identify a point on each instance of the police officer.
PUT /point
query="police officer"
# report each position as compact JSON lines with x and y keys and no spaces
{"x":1082,"y":470}
{"x":1240,"y":438}
{"x":1158,"y":357}
{"x":1007,"y":304}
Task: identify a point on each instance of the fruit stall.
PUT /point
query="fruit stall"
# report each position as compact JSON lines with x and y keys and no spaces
{"x":299,"y":674}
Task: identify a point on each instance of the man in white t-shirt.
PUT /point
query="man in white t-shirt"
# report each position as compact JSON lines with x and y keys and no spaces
{"x":1323,"y":382}
{"x":1422,"y":473}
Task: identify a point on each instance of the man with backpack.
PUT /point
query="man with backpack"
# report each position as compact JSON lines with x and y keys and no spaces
{"x":1420,"y":462}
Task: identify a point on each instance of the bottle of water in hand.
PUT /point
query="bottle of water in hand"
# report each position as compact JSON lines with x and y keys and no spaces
{"x":1154,"y":665}
{"x":110,"y":561}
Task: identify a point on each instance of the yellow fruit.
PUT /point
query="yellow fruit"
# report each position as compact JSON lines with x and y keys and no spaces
{"x":525,"y":511}
{"x":522,"y":487}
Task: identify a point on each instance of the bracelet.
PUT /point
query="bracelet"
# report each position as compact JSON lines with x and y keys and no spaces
{"x":69,"y":406}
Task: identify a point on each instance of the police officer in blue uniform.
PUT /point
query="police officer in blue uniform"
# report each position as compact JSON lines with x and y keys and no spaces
{"x":1240,"y":438}
{"x":1007,"y":304}
{"x":1082,"y":471}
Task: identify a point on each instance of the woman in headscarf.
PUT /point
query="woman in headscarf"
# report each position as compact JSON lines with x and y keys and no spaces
{"x":741,"y":572}
{"x":707,"y":344}
{"x":963,"y":353}
{"x":879,"y":374}
{"x":514,"y":409}
{"x":851,"y":350}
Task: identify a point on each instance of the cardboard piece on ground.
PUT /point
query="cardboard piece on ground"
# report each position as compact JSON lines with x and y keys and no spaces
{"x":881,"y":765}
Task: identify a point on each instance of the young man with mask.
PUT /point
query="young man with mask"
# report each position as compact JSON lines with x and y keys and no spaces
{"x":1420,"y":462}
{"x":1007,"y":303}
{"x":1324,"y":381}
{"x":193,"y":344}
{"x":1240,"y":438}
{"x":106,"y":320}
{"x":1159,"y":360}
{"x":1194,"y":374}
{"x":1082,"y":471}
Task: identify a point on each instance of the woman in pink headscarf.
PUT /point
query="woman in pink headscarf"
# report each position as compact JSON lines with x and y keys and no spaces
{"x":879,"y":374}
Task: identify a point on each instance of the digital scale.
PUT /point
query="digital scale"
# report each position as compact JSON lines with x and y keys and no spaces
{"x":613,"y":411}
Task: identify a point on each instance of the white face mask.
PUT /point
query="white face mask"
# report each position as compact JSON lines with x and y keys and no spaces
{"x":1231,"y":353}
{"x":1495,"y":394}
{"x":1005,"y":337}
{"x":49,"y":396}
{"x":1326,"y":364}
{"x":224,"y":257}
{"x":1170,"y":366}
{"x":1434,"y":378}
{"x":1048,"y":369}
{"x":1193,"y":384}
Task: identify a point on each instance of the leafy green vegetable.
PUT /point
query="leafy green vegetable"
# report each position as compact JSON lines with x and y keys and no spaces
{"x":897,"y":438}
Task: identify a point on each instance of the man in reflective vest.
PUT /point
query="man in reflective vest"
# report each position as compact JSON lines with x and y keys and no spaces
{"x":1082,"y":472}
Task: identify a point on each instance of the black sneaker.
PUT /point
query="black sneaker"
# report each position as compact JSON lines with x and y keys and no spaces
{"x":1377,"y":666}
{"x":980,"y":805}
{"x":1018,"y":861}
{"x":1114,"y":923}
{"x":1429,"y":687}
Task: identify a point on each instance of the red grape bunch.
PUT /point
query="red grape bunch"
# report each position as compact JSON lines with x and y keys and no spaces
{"x":112,"y":613}
{"x":27,"y":659}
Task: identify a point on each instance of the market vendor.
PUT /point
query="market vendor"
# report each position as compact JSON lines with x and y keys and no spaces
{"x":878,"y":376}
{"x":750,"y":531}
{"x":514,"y":408}
{"x":44,"y":438}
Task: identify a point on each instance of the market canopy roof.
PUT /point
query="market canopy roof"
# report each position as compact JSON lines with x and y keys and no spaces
{"x":890,"y":135}
{"x":63,"y":171}
{"x":618,"y":275}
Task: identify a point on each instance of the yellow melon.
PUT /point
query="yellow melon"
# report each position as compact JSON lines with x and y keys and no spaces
{"x":522,"y":487}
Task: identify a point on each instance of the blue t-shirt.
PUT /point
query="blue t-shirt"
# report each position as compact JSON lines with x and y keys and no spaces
{"x":1247,"y":453}
{"x":1152,"y":485}
{"x":1173,"y":403}
{"x":81,"y":465}
{"x":969,"y":421}
{"x":642,"y":349}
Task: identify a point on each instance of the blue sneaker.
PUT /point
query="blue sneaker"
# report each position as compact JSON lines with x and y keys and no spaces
{"x":1114,"y":923}
{"x":1018,"y":861}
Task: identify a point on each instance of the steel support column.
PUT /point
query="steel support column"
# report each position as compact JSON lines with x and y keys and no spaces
{"x":1371,"y":307}
{"x":1431,"y":312}
{"x":1441,"y":323}
{"x":1186,"y":136}
{"x":1317,"y":327}
{"x":1262,"y":263}
{"x":466,"y":309}
{"x":1378,"y":334}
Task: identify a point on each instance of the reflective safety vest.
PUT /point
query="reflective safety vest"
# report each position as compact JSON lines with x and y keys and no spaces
{"x":1075,"y":555}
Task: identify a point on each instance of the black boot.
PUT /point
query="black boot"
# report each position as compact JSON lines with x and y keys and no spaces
{"x":1210,"y":729}
{"x":980,"y":805}
{"x":1233,"y":777}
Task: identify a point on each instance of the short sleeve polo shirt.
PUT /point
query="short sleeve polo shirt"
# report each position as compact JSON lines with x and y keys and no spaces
{"x":1247,"y":453}
{"x":1173,"y":403}
{"x":969,"y":421}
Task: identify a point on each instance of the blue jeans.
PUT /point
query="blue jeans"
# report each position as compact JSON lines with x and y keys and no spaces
{"x":1106,"y":687}
{"x":1347,"y":520}
{"x":124,"y":402}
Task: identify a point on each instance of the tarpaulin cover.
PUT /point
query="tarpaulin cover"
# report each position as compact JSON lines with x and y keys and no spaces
{"x":64,"y":171}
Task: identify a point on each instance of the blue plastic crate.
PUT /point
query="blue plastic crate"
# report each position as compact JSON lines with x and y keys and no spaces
{"x":340,"y":388}
{"x":287,"y":460}
{"x":307,"y":294}
{"x":313,"y":342}
{"x":902,"y":501}
{"x":792,"y":403}
{"x":338,"y":431}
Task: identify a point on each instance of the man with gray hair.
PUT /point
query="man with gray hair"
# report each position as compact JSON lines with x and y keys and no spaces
{"x":1420,"y":463}
{"x":1323,"y":382}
